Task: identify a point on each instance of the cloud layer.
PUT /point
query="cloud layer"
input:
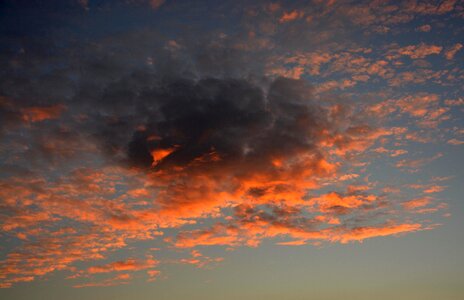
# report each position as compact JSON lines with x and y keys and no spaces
{"x":284,"y":129}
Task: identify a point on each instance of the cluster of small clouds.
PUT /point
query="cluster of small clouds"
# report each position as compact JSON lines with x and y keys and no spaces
{"x":363,"y":65}
{"x":115,"y":148}
{"x":196,"y":150}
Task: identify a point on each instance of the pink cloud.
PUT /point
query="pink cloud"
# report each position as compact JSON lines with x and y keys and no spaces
{"x":415,"y":51}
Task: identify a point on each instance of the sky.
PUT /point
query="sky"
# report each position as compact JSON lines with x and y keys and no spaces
{"x":176,"y":149}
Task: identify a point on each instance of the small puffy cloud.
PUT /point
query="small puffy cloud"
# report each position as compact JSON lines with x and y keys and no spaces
{"x":429,"y":8}
{"x":455,"y":142}
{"x":291,"y":16}
{"x":413,"y":165}
{"x":127,"y":265}
{"x":451,"y":52}
{"x":115,"y":280}
{"x":454,"y":102}
{"x":415,"y":51}
{"x":424,"y":28}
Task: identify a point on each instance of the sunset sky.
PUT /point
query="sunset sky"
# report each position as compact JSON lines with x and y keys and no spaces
{"x":203,"y":150}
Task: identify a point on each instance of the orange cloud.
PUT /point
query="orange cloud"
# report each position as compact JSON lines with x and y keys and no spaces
{"x":291,"y":16}
{"x":37,"y":113}
{"x":199,"y":260}
{"x":451,"y":52}
{"x":425,"y":107}
{"x":159,"y":154}
{"x":415,"y":164}
{"x":153,"y":274}
{"x":415,"y":51}
{"x":429,"y":8}
{"x":416,"y":203}
{"x":250,"y":233}
{"x":455,"y":142}
{"x":127,"y":265}
{"x":336,"y":202}
{"x":434,"y":189}
{"x":263,"y":185}
{"x":116,"y":280}
{"x":293,"y":243}
{"x":361,"y":233}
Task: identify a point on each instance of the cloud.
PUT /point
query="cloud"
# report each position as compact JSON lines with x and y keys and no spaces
{"x":427,"y":8}
{"x":415,"y":51}
{"x":252,"y":230}
{"x":417,"y":203}
{"x":224,"y":139}
{"x":334,"y":202}
{"x":116,"y":280}
{"x":199,"y":260}
{"x":192,"y":149}
{"x":423,"y":107}
{"x":37,"y":113}
{"x":414,"y":164}
{"x":451,"y":52}
{"x":424,"y":28}
{"x":127,"y":265}
{"x":291,"y":16}
{"x":455,"y":142}
{"x":156,"y":4}
{"x":221,"y":139}
{"x":362,"y":233}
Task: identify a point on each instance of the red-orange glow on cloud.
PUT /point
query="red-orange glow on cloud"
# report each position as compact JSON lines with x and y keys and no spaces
{"x":116,"y":280}
{"x":204,"y":196}
{"x":199,"y":260}
{"x":251,"y":233}
{"x":417,"y":203}
{"x":293,"y":243}
{"x":415,"y":51}
{"x":37,"y":114}
{"x":362,"y":233}
{"x":450,"y":53}
{"x":218,"y":235}
{"x":291,"y":16}
{"x":209,"y":184}
{"x":159,"y":154}
{"x":334,"y":201}
{"x":127,"y":265}
{"x":262,"y":190}
{"x":434,"y":189}
{"x":209,"y":155}
{"x":153,"y":274}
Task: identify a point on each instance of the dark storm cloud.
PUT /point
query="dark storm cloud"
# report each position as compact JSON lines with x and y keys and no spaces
{"x":8,"y":115}
{"x":236,"y":119}
{"x":186,"y":98}
{"x":198,"y":117}
{"x":109,"y":91}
